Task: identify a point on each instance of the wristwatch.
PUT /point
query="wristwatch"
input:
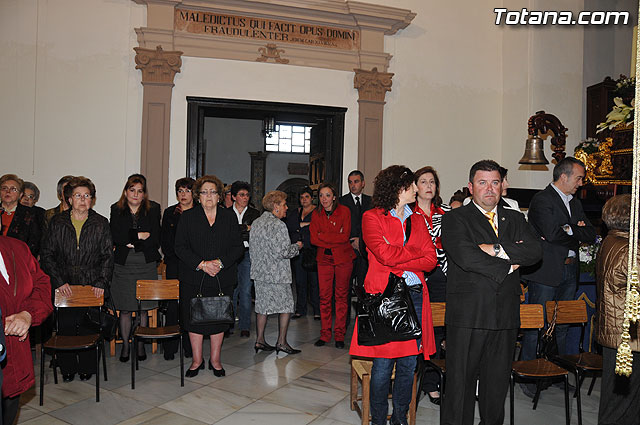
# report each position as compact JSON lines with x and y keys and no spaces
{"x":496,"y":248}
{"x":221,"y":265}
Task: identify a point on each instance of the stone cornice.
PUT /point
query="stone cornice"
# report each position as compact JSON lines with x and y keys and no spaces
{"x":372,"y":85}
{"x":158,"y":66}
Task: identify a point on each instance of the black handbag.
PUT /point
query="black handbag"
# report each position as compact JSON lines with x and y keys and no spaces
{"x":103,"y":320}
{"x":389,"y":316}
{"x":211,"y":310}
{"x":548,"y":348}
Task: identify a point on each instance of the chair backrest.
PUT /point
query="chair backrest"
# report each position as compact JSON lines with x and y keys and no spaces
{"x":81,"y":296}
{"x":437,"y":313}
{"x":531,"y":316}
{"x":568,"y":312}
{"x":167,"y":289}
{"x":162,"y":270}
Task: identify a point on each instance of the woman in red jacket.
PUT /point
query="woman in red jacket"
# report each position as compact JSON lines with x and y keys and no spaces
{"x":330,"y":229}
{"x":391,"y":251}
{"x":25,"y":300}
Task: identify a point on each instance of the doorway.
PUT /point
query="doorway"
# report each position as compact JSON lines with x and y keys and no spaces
{"x":226,"y":137}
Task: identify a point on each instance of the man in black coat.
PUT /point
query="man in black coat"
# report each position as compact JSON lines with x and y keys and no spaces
{"x":485,"y":245}
{"x":560,"y":222}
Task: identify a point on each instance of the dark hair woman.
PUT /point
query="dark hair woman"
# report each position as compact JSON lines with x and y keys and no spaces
{"x":135,"y":229}
{"x":16,"y":220}
{"x":384,"y":231}
{"x":330,"y":230}
{"x":306,"y":275}
{"x":170,"y":219}
{"x":209,"y":246}
{"x":429,"y":206}
{"x":25,"y":301}
{"x":78,"y":251}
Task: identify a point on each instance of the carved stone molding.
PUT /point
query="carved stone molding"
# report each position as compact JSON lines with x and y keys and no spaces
{"x":372,"y":85}
{"x":158,"y":66}
{"x":271,"y":51}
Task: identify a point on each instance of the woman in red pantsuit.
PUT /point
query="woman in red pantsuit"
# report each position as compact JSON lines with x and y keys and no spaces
{"x":330,"y":229}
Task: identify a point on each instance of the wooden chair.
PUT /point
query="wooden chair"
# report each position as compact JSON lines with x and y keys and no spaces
{"x":439,"y":365}
{"x":156,"y":290}
{"x":153,"y":322}
{"x":361,"y":372}
{"x":532,"y":317}
{"x":575,"y":312}
{"x":81,"y":296}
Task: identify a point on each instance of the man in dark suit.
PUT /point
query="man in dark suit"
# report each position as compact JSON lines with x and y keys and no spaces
{"x":485,"y":245}
{"x":358,"y":203}
{"x":559,"y":220}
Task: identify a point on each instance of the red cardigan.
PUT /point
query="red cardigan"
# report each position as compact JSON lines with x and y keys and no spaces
{"x":384,"y":238}
{"x":332,"y":232}
{"x":33,"y":294}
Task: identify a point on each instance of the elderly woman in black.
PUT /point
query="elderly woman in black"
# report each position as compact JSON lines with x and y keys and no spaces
{"x":170,"y":219}
{"x":18,"y":221}
{"x":78,"y":251}
{"x":209,"y":246}
{"x":135,"y":229}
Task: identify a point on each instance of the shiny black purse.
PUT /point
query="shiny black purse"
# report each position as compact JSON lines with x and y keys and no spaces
{"x":389,"y":316}
{"x":211,"y":310}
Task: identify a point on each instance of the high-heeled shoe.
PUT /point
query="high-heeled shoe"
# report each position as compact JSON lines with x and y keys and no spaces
{"x":218,"y":372}
{"x":142,"y":357}
{"x":286,"y":349}
{"x":124,"y":359}
{"x":190,"y":373}
{"x":263,"y":346}
{"x":434,"y":400}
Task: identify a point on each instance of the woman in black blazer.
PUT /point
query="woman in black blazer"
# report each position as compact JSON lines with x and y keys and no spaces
{"x":209,"y":246}
{"x":135,"y":230}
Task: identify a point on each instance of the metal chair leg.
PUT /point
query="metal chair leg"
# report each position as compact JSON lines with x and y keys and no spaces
{"x":55,"y":368}
{"x":133,"y":352}
{"x":579,"y":402}
{"x":536,"y":397}
{"x":441,"y":388}
{"x":41,"y":374}
{"x":104,"y":361}
{"x":97,"y":373}
{"x":566,"y":399}
{"x":593,"y":382}
{"x":181,"y":360}
{"x":511,"y":388}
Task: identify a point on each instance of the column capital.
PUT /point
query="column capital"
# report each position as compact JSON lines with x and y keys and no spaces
{"x":372,"y":85}
{"x":158,"y":66}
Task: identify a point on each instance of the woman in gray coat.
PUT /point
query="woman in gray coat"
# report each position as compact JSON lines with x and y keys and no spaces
{"x":270,"y":249}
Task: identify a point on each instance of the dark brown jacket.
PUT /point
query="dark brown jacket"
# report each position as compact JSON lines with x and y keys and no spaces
{"x":611,"y":284}
{"x":26,"y":227}
{"x":89,"y":262}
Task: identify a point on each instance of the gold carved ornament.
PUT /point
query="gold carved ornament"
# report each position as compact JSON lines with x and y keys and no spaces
{"x":624,"y":357}
{"x":372,"y":85}
{"x":271,"y":51}
{"x":158,"y":66}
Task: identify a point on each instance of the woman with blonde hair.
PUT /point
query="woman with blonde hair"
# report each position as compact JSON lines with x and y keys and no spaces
{"x":270,"y":249}
{"x":209,"y":246}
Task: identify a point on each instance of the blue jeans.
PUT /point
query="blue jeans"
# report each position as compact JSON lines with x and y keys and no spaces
{"x":380,"y":379}
{"x":540,"y":294}
{"x":242,"y":293}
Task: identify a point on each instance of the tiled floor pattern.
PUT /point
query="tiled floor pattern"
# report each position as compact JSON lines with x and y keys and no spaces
{"x":265,"y":388}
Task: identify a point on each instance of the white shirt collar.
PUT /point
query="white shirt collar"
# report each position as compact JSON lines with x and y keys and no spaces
{"x":354,"y":197}
{"x":483,"y":211}
{"x":3,"y":269}
{"x":238,"y":213}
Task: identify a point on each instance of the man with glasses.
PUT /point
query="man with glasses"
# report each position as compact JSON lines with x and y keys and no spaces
{"x":240,"y":193}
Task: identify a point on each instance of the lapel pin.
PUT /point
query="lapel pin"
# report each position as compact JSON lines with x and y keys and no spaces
{"x":502,"y":218}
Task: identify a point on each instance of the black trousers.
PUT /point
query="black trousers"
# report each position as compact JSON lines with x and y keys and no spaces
{"x":170,"y":346}
{"x":358,"y":273}
{"x":619,"y":396}
{"x":473,"y":353}
{"x":10,"y":406}
{"x":71,"y":321}
{"x":437,"y":286}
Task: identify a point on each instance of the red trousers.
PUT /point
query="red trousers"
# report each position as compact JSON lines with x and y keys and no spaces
{"x":327,"y":270}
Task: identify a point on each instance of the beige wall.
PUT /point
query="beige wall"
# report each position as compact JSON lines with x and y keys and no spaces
{"x":463,"y":90}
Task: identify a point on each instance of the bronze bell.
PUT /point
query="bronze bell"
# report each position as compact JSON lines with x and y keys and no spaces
{"x":533,"y":151}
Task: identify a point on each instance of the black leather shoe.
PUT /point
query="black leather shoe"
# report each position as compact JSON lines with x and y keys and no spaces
{"x":263,"y":346}
{"x":434,"y":400}
{"x":169,"y":356}
{"x":142,"y":358}
{"x":296,"y":316}
{"x":287,"y":349}
{"x":124,"y":359}
{"x":68,"y":377}
{"x":245,"y":334}
{"x":320,"y":343}
{"x":190,"y":373}
{"x":339,"y":344}
{"x":316,"y":317}
{"x":218,"y":372}
{"x":85,"y":376}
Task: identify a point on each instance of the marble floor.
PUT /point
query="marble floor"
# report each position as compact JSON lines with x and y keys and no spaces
{"x":308,"y":388}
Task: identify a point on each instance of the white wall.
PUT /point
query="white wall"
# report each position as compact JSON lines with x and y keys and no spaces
{"x":228,"y":143}
{"x":71,"y":96}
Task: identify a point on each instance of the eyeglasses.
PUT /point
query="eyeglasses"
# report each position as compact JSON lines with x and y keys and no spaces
{"x":9,"y":189}
{"x":208,"y":192}
{"x":81,"y":196}
{"x":184,"y":190}
{"x":242,"y":195}
{"x":29,"y":196}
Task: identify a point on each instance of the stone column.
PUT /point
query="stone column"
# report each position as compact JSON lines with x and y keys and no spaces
{"x":372,"y":87}
{"x":258,"y":177}
{"x":158,"y":69}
